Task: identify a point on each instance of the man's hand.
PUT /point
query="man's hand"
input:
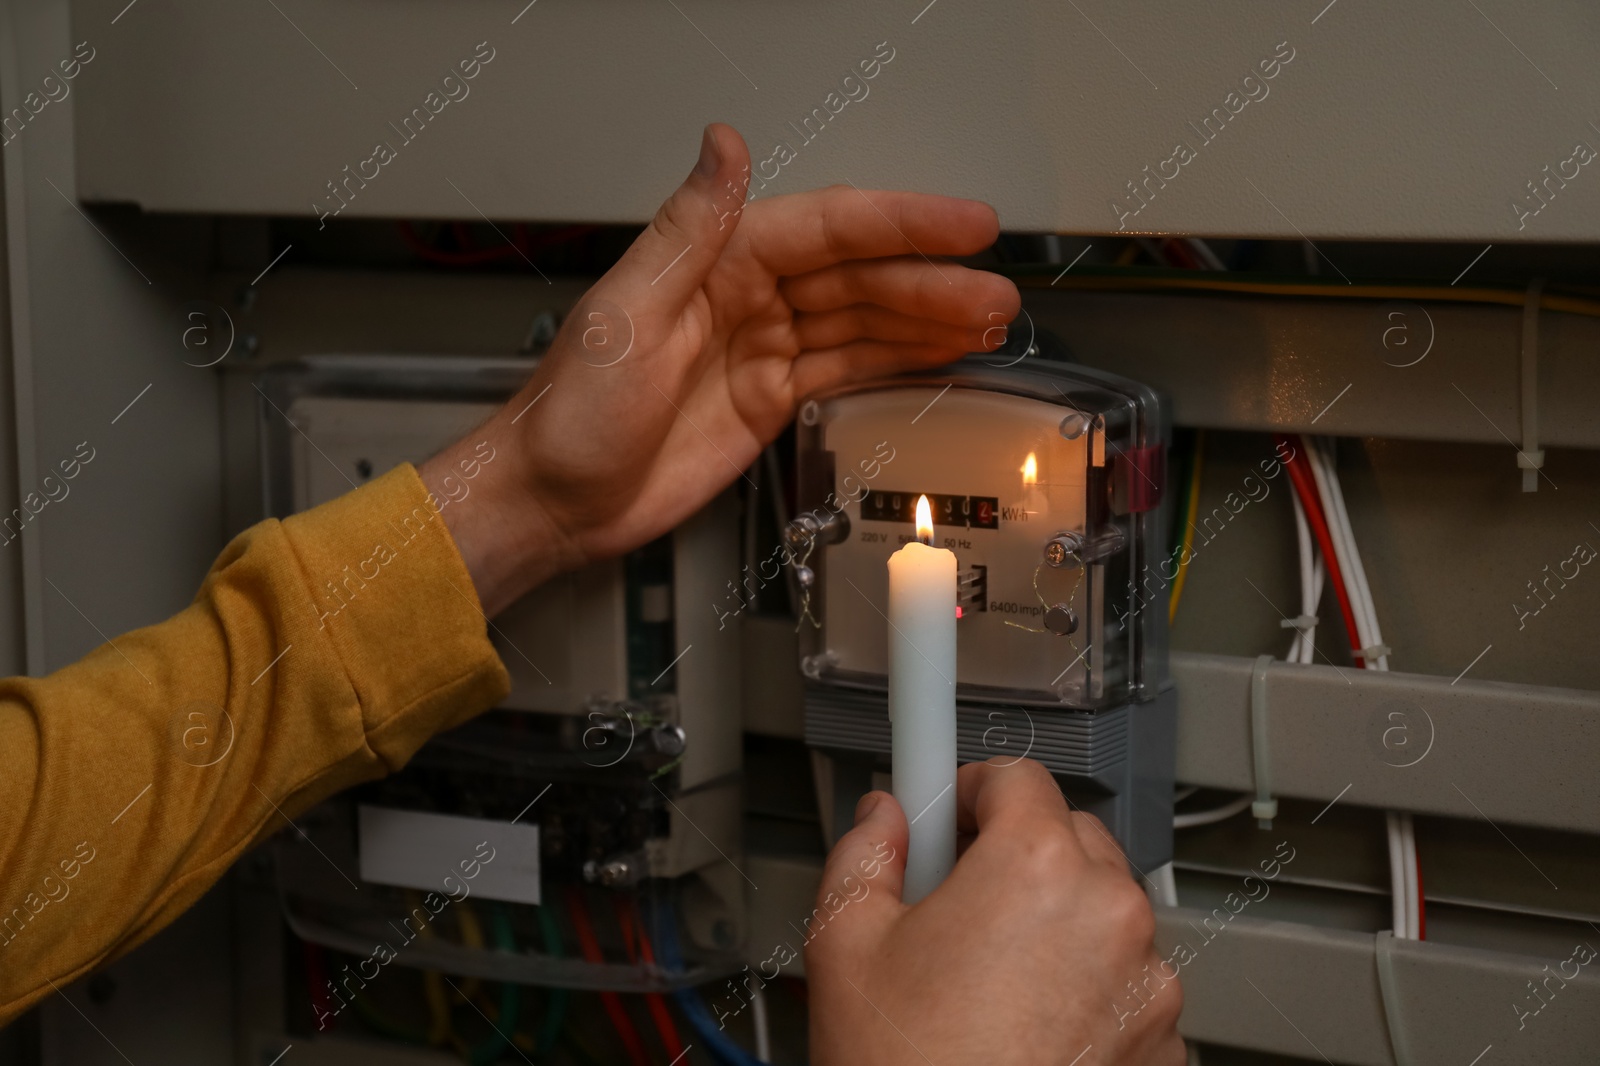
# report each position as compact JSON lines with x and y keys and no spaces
{"x":1023,"y":955}
{"x":693,"y":352}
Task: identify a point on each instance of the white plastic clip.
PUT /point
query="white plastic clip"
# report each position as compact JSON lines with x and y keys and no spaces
{"x":1265,"y":808}
{"x":1374,"y":652}
{"x":1530,"y":457}
{"x":1303,"y":623}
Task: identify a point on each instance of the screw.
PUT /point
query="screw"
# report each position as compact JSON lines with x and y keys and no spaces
{"x":1073,"y":425}
{"x":1062,"y":547}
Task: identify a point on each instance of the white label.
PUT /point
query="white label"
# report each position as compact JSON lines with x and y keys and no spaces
{"x":449,"y":854}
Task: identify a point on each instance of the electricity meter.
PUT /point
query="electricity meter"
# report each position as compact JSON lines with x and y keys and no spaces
{"x":1045,"y":480}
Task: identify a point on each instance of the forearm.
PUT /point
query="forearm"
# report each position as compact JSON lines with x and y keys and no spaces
{"x":320,"y":651}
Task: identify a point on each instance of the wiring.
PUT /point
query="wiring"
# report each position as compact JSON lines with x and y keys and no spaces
{"x":758,"y":1016}
{"x":627,"y":911}
{"x":1355,"y":575}
{"x":689,"y":1001}
{"x":1191,"y":513}
{"x":1163,"y":886}
{"x":1304,"y":487}
{"x":1405,"y":868}
{"x":1312,"y":574}
{"x":317,"y":980}
{"x":1398,"y":916}
{"x":614,"y":1007}
{"x":1215,"y":814}
{"x":1209,"y":260}
{"x":487,"y":1051}
{"x":441,"y":1030}
{"x":555,"y":1011}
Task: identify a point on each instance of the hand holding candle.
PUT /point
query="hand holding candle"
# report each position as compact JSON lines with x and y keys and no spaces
{"x":922,"y":702}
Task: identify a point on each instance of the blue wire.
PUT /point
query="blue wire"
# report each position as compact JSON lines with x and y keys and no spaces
{"x":689,"y":1001}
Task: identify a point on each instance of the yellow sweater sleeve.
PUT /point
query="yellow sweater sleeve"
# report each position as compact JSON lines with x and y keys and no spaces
{"x":321,"y":651}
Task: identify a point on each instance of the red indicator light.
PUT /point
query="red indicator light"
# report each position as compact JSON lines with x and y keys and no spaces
{"x":958,"y":610}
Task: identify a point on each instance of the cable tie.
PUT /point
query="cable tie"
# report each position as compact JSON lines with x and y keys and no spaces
{"x":1303,"y":623}
{"x":1373,"y":652}
{"x":1265,"y":808}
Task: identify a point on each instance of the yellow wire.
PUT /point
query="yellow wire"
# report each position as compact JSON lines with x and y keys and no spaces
{"x":472,"y":937}
{"x":440,"y":1029}
{"x":1192,"y":512}
{"x":1576,"y":305}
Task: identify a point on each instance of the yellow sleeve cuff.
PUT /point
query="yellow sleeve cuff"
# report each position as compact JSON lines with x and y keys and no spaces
{"x":392,"y":596}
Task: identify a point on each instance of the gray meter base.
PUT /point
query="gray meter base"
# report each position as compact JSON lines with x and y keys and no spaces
{"x":1116,"y":764}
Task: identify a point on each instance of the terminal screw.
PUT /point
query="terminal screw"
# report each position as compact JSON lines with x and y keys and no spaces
{"x":1061,"y":548}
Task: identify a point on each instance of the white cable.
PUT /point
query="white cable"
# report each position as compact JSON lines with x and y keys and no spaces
{"x":1413,"y":897}
{"x":1207,"y":256}
{"x":758,"y":1003}
{"x":1341,"y":549}
{"x":1163,"y":886}
{"x":1397,"y":888}
{"x":1400,"y":826}
{"x":1218,"y":814}
{"x":1319,"y":577}
{"x":1300,"y":647}
{"x":1357,"y":572}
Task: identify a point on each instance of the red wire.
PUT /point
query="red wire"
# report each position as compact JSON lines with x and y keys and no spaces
{"x":1311,"y":501}
{"x":1178,"y":252}
{"x":626,"y":916}
{"x":317,"y":978}
{"x":1306,"y":489}
{"x":610,"y":1000}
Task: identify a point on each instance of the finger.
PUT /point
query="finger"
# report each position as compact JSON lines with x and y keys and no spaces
{"x":907,"y":284}
{"x":866,"y":869}
{"x":1007,"y":795}
{"x":671,"y":258}
{"x":865,"y":360}
{"x":1098,"y":842}
{"x":808,"y":231}
{"x":828,"y":329}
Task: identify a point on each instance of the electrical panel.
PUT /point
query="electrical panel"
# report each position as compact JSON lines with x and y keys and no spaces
{"x":613,"y":764}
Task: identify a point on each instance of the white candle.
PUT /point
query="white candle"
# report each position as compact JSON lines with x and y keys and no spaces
{"x":922,"y":703}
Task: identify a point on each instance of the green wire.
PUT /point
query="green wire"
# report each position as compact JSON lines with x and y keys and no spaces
{"x":555,"y":1011}
{"x":488,"y":1050}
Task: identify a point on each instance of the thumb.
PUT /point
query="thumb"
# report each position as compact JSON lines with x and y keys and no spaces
{"x":671,"y":259}
{"x":866,"y":869}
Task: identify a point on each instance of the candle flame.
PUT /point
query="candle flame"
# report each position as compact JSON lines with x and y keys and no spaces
{"x":924,"y":520}
{"x":1030,"y":470}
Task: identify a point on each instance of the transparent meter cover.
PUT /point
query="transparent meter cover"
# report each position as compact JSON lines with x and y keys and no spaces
{"x":1045,"y":481}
